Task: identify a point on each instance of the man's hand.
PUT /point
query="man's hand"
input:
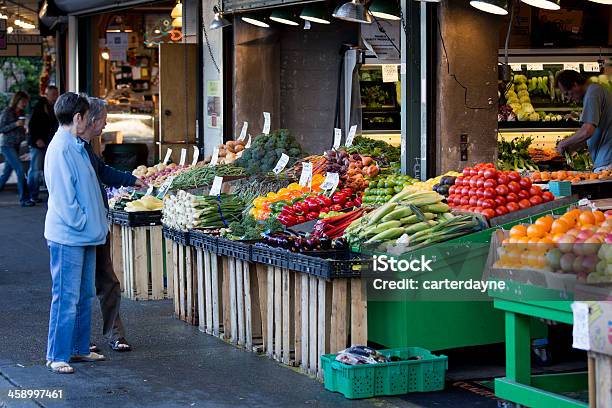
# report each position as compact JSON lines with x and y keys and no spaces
{"x":40,"y":144}
{"x":561,"y":148}
{"x":20,"y":123}
{"x":139,"y":183}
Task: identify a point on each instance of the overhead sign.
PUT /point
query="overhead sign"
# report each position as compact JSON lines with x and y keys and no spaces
{"x":379,"y":45}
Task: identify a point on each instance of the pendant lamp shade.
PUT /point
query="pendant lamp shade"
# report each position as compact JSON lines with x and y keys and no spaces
{"x":259,"y":22}
{"x":316,"y":13}
{"x":385,"y":9}
{"x":218,"y":20}
{"x":353,"y":11}
{"x":284,"y":17}
{"x":609,"y":2}
{"x":499,"y":7}
{"x":544,"y":4}
{"x":177,"y":11}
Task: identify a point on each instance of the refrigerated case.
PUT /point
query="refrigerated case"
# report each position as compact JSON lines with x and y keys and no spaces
{"x":380,"y":103}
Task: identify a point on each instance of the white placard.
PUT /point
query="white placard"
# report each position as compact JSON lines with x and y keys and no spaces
{"x":307,"y":25}
{"x":183,"y":157}
{"x":306,"y":176}
{"x":248,"y":144}
{"x":165,"y":187}
{"x":591,"y":67}
{"x":215,"y":189}
{"x":580,"y":330}
{"x":535,"y":67}
{"x":282,"y":162}
{"x":516,"y":67}
{"x":350,"y":136}
{"x":215,"y":157}
{"x":389,"y":73}
{"x":196,"y":155}
{"x":267,"y":122}
{"x":149,"y":190}
{"x":574,"y":66}
{"x":331,"y":182}
{"x":337,"y":138}
{"x":243,"y":132}
{"x":167,"y":157}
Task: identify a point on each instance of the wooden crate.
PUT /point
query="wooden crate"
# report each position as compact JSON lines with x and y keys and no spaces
{"x":600,"y":380}
{"x":116,"y":243}
{"x":141,"y":265}
{"x":184,"y":282}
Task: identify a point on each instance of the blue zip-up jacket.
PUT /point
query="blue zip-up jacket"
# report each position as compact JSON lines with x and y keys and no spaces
{"x":76,"y":215}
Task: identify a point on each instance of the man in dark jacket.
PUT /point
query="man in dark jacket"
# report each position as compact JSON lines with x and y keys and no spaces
{"x":108,"y":287}
{"x":42,"y":127}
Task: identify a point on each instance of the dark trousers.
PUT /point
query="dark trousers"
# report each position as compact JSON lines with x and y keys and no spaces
{"x":108,"y":291}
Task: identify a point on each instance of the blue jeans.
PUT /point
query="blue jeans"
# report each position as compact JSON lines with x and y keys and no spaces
{"x":73,"y":290}
{"x":11,"y":162}
{"x":37,"y":160}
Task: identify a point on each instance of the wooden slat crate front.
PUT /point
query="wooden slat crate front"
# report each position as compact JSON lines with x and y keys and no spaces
{"x":184,"y":282}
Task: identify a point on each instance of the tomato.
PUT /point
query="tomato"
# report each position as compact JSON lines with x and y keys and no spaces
{"x":478,"y":209}
{"x":502,"y":190}
{"x":473,"y":181}
{"x":536,"y":199}
{"x":489,"y":213}
{"x":479,"y":202}
{"x":512,"y":198}
{"x":514,"y":187}
{"x":488,"y":203}
{"x":489,"y":193}
{"x":523,"y":195}
{"x":451,"y":189}
{"x":473,"y":201}
{"x":500,"y":200}
{"x":547,"y":196}
{"x":481,"y":172}
{"x":490,"y":173}
{"x":525,"y":183}
{"x":466,"y":172}
{"x":473,"y":172}
{"x":480,"y":193}
{"x":465,"y":200}
{"x":514,"y":176}
{"x":512,"y":206}
{"x":473,"y":192}
{"x":502,"y":179}
{"x":535,"y":190}
{"x":501,"y":210}
{"x":480,"y":182}
{"x":490,"y":183}
{"x":465,"y":190}
{"x":524,"y":204}
{"x":457,"y":200}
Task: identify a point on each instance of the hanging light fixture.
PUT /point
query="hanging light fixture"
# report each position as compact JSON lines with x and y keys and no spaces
{"x":316,"y":13}
{"x":218,"y":20}
{"x":353,"y":11}
{"x":256,"y":21}
{"x":3,"y":16}
{"x":105,"y":54}
{"x":602,"y":1}
{"x":385,"y":10}
{"x":499,"y":7}
{"x":284,"y":16}
{"x":177,"y":15}
{"x":544,"y":4}
{"x":10,"y":29}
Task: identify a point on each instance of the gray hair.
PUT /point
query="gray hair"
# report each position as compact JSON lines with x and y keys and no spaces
{"x":96,"y":107}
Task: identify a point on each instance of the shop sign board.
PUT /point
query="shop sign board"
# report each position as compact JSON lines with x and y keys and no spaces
{"x":117,"y":44}
{"x":19,"y":45}
{"x":379,"y":46}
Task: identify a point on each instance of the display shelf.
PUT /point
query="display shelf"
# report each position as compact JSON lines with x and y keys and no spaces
{"x":539,"y":126}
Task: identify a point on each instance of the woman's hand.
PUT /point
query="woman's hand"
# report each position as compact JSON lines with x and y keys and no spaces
{"x":20,"y":123}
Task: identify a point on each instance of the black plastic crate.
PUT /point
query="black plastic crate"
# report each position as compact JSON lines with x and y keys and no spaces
{"x":343,"y":264}
{"x":265,"y":254}
{"x":136,"y":219}
{"x":109,"y":216}
{"x":207,"y":242}
{"x":237,"y":249}
{"x":182,"y":237}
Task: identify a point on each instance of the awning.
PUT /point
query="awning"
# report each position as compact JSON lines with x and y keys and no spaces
{"x":230,"y":6}
{"x":91,"y":6}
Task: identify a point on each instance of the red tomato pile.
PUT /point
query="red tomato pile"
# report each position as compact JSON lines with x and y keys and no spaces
{"x":483,"y":189}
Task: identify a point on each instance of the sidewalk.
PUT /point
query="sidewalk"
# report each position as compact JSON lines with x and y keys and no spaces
{"x":172,"y":365}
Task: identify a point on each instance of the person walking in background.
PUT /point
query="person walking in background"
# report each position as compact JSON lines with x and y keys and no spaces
{"x":75,"y":224}
{"x":42,"y":126}
{"x":108,"y":288}
{"x":12,"y":133}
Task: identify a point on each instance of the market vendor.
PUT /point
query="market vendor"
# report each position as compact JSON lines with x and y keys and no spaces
{"x":596,"y":118}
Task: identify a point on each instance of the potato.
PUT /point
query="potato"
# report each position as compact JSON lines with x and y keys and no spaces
{"x":238,"y":148}
{"x":222,"y":152}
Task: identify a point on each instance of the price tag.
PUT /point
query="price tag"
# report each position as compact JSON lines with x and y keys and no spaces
{"x":591,"y":66}
{"x":307,"y":25}
{"x":516,"y":67}
{"x":306,"y":176}
{"x":331,"y":182}
{"x":282,"y":162}
{"x":165,"y":187}
{"x":243,"y":132}
{"x":183,"y":157}
{"x":337,"y":138}
{"x":535,"y":67}
{"x":248,"y":144}
{"x":571,"y":65}
{"x":167,"y":157}
{"x":215,"y":189}
{"x":149,"y":190}
{"x":389,"y":73}
{"x":580,"y":331}
{"x":196,"y":155}
{"x":215,"y":157}
{"x":266,"y":127}
{"x":350,"y":136}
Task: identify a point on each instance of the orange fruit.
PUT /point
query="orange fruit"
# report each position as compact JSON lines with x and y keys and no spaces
{"x":586,"y":218}
{"x":599,"y":216}
{"x":536,"y":231}
{"x":569,"y":220}
{"x":545,"y":222}
{"x":559,"y":227}
{"x":518,"y":231}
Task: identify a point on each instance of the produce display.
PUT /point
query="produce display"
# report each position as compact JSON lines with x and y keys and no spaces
{"x":352,"y":168}
{"x":515,"y":155}
{"x":185,"y":211}
{"x":156,"y":175}
{"x":382,"y":189}
{"x":266,"y":150}
{"x":201,"y":176}
{"x":381,"y":151}
{"x":487,"y":191}
{"x":265,"y":205}
{"x":303,"y":243}
{"x":578,"y":242}
{"x":146,"y":203}
{"x":335,"y":225}
{"x":229,"y":151}
{"x":573,"y":176}
{"x":310,"y":206}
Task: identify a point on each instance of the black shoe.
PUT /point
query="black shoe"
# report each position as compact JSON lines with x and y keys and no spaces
{"x":37,"y":200}
{"x":28,"y":203}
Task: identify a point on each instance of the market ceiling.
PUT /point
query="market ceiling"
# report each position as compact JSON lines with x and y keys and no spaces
{"x":84,"y":6}
{"x":22,"y":8}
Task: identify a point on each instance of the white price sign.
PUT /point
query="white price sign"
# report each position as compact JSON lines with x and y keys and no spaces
{"x":572,"y":65}
{"x":535,"y":67}
{"x":331,"y":182}
{"x":183,"y":157}
{"x":337,"y":138}
{"x":215,"y":157}
{"x":306,"y":176}
{"x":580,"y":332}
{"x":591,"y":67}
{"x":165,"y":187}
{"x":350,"y":136}
{"x":215,"y":189}
{"x":243,"y":132}
{"x":248,"y":144}
{"x":196,"y":155}
{"x":167,"y":157}
{"x":516,"y":67}
{"x":282,"y":162}
{"x":389,"y":73}
{"x":149,"y":190}
{"x":267,"y":123}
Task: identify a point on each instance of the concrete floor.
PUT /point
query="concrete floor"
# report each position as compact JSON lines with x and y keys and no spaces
{"x":172,"y":365}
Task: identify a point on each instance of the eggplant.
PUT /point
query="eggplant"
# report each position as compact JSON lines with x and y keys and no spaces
{"x":339,"y":243}
{"x":325,"y":243}
{"x":435,"y":187}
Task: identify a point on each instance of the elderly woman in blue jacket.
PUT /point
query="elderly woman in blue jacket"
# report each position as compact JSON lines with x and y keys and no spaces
{"x":75,"y":224}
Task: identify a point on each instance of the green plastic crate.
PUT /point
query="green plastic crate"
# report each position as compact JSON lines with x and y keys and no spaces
{"x":395,"y":378}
